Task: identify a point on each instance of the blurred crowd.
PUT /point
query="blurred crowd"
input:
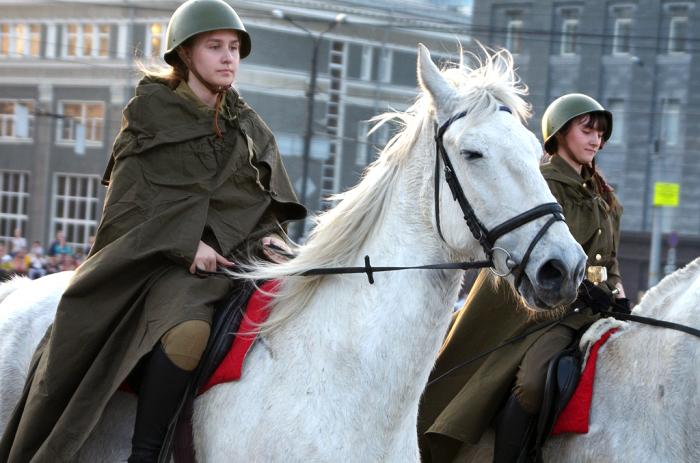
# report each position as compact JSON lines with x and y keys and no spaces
{"x":18,"y":257}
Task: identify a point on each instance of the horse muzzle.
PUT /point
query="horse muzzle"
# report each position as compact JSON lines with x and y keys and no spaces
{"x":553,"y":284}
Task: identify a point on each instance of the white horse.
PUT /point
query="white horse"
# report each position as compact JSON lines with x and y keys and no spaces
{"x":340,"y":367}
{"x":646,"y":398}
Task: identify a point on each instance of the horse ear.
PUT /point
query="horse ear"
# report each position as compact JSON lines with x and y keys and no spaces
{"x":432,"y":81}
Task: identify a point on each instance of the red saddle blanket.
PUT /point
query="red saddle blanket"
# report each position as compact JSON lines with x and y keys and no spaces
{"x":231,"y":367}
{"x":256,"y":312}
{"x":575,"y":416}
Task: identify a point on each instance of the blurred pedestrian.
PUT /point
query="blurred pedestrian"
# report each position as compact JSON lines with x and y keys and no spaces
{"x":59,"y":245}
{"x":20,"y":262}
{"x":18,"y":242}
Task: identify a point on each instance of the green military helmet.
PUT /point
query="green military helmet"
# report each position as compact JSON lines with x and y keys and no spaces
{"x":565,"y":108}
{"x":196,"y":16}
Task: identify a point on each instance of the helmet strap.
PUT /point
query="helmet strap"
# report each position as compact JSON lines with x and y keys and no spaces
{"x":218,"y":90}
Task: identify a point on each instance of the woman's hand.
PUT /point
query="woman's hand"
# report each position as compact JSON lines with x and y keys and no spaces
{"x":207,"y":259}
{"x":276,"y":249}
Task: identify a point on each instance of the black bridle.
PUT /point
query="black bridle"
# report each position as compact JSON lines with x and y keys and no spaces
{"x":487,"y":238}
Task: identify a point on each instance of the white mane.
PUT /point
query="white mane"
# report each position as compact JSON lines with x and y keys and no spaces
{"x":340,"y":232}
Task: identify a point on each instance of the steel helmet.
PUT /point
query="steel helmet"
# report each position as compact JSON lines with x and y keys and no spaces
{"x":196,"y":16}
{"x":565,"y":108}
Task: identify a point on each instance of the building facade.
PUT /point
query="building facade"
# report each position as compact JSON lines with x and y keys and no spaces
{"x":640,"y":59}
{"x":71,"y":67}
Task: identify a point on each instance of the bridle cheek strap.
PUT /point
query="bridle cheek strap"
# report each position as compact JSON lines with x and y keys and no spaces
{"x":487,"y":238}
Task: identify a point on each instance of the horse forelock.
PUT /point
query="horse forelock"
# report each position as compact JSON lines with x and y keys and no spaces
{"x":339,"y":233}
{"x":490,"y":83}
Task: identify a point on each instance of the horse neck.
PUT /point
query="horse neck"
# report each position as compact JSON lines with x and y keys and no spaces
{"x":389,"y":332}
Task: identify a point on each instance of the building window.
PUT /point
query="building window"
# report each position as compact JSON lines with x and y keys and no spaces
{"x":678,"y":35}
{"x":9,"y":126}
{"x":514,"y":32}
{"x":671,"y":122}
{"x":89,"y":113}
{"x":569,"y":32}
{"x":18,"y":40}
{"x":621,"y":37}
{"x":155,"y":40}
{"x":14,"y":196}
{"x":86,"y":40}
{"x":367,"y":56}
{"x":75,"y":204}
{"x":361,"y":143}
{"x":386,"y":59}
{"x":622,"y":29}
{"x":617,"y":108}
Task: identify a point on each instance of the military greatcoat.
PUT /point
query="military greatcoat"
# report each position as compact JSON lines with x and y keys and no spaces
{"x":462,"y":405}
{"x":172,"y":183}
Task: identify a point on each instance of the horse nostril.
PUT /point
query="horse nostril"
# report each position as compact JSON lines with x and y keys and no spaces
{"x":551,"y":274}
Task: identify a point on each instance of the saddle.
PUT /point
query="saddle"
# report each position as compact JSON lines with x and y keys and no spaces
{"x":563,"y":374}
{"x":225,"y":324}
{"x":569,"y":388}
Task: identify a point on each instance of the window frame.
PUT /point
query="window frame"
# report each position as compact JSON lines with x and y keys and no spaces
{"x":673,"y":21}
{"x":148,"y":44}
{"x":572,"y":36}
{"x":7,"y":118}
{"x":66,"y":223}
{"x":96,"y":37}
{"x":616,"y":37}
{"x":83,"y":118}
{"x":12,"y":38}
{"x":21,"y":215}
{"x":514,"y":25}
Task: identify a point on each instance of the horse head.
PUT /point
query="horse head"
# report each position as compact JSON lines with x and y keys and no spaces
{"x":512,"y":217}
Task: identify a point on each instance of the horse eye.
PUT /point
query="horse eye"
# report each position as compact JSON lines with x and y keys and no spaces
{"x":471,"y":154}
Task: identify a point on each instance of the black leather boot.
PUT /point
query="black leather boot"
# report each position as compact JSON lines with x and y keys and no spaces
{"x":162,"y":388}
{"x":514,"y":427}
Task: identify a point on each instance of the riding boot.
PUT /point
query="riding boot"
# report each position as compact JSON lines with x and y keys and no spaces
{"x":514,"y":427}
{"x":161,"y":390}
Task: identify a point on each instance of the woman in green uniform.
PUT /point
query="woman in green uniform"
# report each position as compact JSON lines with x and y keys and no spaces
{"x":458,"y":408}
{"x":195,"y":181}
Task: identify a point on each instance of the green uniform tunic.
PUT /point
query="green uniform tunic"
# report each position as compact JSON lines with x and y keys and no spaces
{"x":171,"y":184}
{"x":462,"y":405}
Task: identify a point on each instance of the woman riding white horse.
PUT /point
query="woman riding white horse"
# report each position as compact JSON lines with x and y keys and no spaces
{"x":646,"y":405}
{"x":340,"y":366}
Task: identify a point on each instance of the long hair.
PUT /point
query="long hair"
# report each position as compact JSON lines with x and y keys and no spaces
{"x":172,"y":75}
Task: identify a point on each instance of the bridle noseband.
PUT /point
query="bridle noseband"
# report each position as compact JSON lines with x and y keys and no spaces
{"x":487,"y":238}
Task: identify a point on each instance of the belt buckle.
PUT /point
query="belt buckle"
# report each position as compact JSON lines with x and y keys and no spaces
{"x":596,"y":274}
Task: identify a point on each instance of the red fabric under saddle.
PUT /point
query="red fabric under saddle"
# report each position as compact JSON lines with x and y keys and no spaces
{"x":575,"y":416}
{"x":256,"y":312}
